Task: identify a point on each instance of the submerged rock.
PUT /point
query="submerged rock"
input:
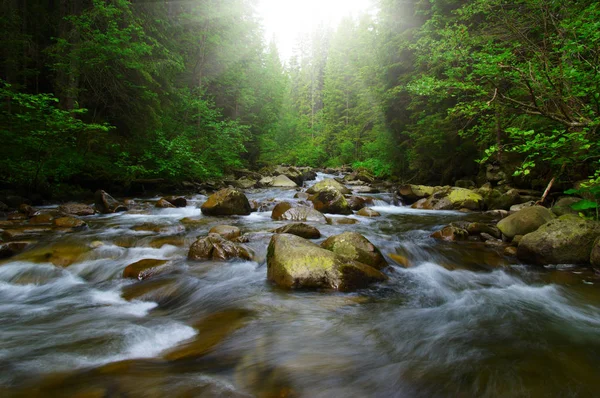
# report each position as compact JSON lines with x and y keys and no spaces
{"x":566,"y":240}
{"x":525,"y":221}
{"x":300,"y":229}
{"x":294,"y":262}
{"x":226,"y":202}
{"x":214,"y":247}
{"x":354,"y":246}
{"x":70,"y":222}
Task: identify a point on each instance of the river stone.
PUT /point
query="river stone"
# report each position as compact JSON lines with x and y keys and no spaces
{"x":228,"y":232}
{"x":214,"y":247}
{"x":16,"y":216}
{"x":245,"y":183}
{"x":282,"y":181}
{"x":331,"y":201}
{"x":294,"y":262}
{"x":144,"y":269}
{"x":41,"y":219}
{"x":28,"y":210}
{"x":76,"y":209}
{"x":226,"y":202}
{"x":451,"y":233}
{"x":401,"y":260}
{"x":177,"y":201}
{"x":358,"y":202}
{"x":70,"y":222}
{"x":106,"y":203}
{"x":354,"y":246}
{"x":411,"y":193}
{"x":341,"y":220}
{"x":300,"y":229}
{"x":328,"y":184}
{"x":595,"y":255}
{"x":476,"y":228}
{"x":494,"y":199}
{"x":164,"y":204}
{"x":563,"y":206}
{"x":461,"y":198}
{"x":521,"y":206}
{"x":265,"y":182}
{"x":10,"y":249}
{"x":566,"y":240}
{"x":525,"y":221}
{"x":279,"y":209}
{"x":303,"y":213}
{"x":368,"y":212}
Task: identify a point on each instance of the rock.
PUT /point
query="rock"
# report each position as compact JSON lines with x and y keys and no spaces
{"x":412,"y":193}
{"x":326,"y":185}
{"x":228,"y":232}
{"x":16,"y":216}
{"x":301,"y":195}
{"x":360,"y":175}
{"x":245,"y":183}
{"x":106,"y":203}
{"x":177,"y":201}
{"x":477,"y":228}
{"x":595,"y":254}
{"x":3,"y":206}
{"x":226,"y":202}
{"x":282,"y":181}
{"x":167,"y":240}
{"x":566,"y":240}
{"x":331,"y":201}
{"x":451,"y":233}
{"x":368,"y":212}
{"x":353,"y":246}
{"x":525,"y":221}
{"x":303,"y":213}
{"x":279,"y":209}
{"x":23,"y":232}
{"x":61,"y":254}
{"x":401,"y":260}
{"x":265,"y":182}
{"x":214,"y":247}
{"x":468,"y":184}
{"x":27,"y":210}
{"x":494,"y":199}
{"x":164,"y":204}
{"x":516,"y":240}
{"x":144,"y":269}
{"x":294,"y":262}
{"x":462,"y":198}
{"x":358,"y":202}
{"x":510,"y":251}
{"x":70,"y":222}
{"x":563,"y":206}
{"x":364,"y":189}
{"x":10,"y":249}
{"x":76,"y":209}
{"x":341,"y":221}
{"x":194,"y":222}
{"x":41,"y":219}
{"x":521,"y":206}
{"x":300,"y":229}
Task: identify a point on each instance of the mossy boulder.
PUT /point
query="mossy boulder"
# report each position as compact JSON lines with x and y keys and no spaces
{"x":330,"y":201}
{"x":566,"y":240}
{"x":563,"y":206}
{"x":495,"y":199}
{"x":461,"y":198}
{"x":354,"y":246}
{"x":328,"y":184}
{"x":294,"y":262}
{"x":525,"y":221}
{"x":226,"y":202}
{"x":300,"y":229}
{"x":214,"y":247}
{"x":411,"y":193}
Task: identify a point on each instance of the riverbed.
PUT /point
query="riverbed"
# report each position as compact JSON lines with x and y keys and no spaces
{"x":463,"y":320}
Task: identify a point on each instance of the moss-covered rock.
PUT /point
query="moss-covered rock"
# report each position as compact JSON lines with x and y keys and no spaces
{"x":330,"y":201}
{"x":354,"y":246}
{"x":566,"y":240}
{"x":327,"y":184}
{"x":595,"y":254}
{"x":226,"y":202}
{"x":300,"y":229}
{"x":294,"y":262}
{"x":525,"y":221}
{"x":461,"y":198}
{"x":563,"y":206}
{"x":411,"y":193}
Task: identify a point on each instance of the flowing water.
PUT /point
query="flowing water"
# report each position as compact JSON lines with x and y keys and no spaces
{"x":463,"y":321}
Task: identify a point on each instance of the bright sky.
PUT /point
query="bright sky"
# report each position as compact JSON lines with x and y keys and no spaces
{"x":287,"y":19}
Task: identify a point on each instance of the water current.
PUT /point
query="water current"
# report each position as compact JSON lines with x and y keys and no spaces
{"x":462,"y":321}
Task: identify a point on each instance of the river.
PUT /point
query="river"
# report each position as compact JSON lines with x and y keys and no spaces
{"x":463,"y":321}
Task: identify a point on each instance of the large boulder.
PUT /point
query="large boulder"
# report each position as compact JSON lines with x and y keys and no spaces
{"x":226,"y":202}
{"x":566,"y":240}
{"x":282,"y":181}
{"x":300,"y":229}
{"x":290,"y":172}
{"x":328,"y":184}
{"x":177,"y":201}
{"x":358,"y":202}
{"x":106,"y":203}
{"x":279,"y":209}
{"x":294,"y":262}
{"x":411,"y":193}
{"x":495,"y":199}
{"x":331,"y":201}
{"x":76,"y":209}
{"x":525,"y":221}
{"x":451,"y":198}
{"x":228,"y":232}
{"x":303,"y":213}
{"x":354,"y":246}
{"x":214,"y":247}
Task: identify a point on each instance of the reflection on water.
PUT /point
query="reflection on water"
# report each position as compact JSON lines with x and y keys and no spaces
{"x":463,"y":320}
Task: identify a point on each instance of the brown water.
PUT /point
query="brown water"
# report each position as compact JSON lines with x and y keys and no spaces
{"x":464,"y":321}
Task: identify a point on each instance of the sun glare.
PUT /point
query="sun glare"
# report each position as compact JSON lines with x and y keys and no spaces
{"x":287,"y":20}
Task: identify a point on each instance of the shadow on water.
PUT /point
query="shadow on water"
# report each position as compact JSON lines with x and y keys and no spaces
{"x":462,"y":321}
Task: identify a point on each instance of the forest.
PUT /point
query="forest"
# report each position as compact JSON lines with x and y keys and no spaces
{"x":424,"y":91}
